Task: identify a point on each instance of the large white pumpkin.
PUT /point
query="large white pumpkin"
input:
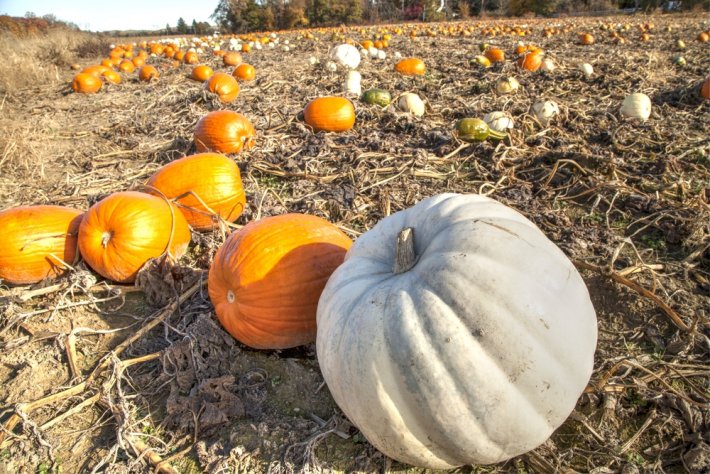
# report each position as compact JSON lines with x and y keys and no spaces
{"x":475,"y":354}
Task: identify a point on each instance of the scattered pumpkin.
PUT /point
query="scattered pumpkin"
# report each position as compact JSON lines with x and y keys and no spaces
{"x":545,"y":111}
{"x":346,"y":55}
{"x":495,"y":55}
{"x":225,"y":86}
{"x":379,"y":97}
{"x":191,"y":58}
{"x":507,"y":85}
{"x":244,"y":72}
{"x":86,"y":83}
{"x":147,"y":73}
{"x":456,"y":333}
{"x":636,"y":106}
{"x":586,"y":39}
{"x":530,"y":61}
{"x":266,"y":279}
{"x":330,"y":114}
{"x":120,"y":233}
{"x":410,"y":67}
{"x":37,"y":242}
{"x":208,"y":185}
{"x":111,"y":76}
{"x":232,"y":58}
{"x":224,"y":131}
{"x":411,"y":103}
{"x":126,"y":66}
{"x":201,"y":73}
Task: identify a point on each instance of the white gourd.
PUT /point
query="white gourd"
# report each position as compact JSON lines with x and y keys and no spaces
{"x":545,"y":111}
{"x":498,"y":121}
{"x":475,"y":354}
{"x":346,"y":55}
{"x":636,"y":106}
{"x":411,"y":103}
{"x":352,"y":83}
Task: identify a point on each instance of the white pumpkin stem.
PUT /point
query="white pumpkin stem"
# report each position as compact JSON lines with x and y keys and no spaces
{"x":406,"y":257}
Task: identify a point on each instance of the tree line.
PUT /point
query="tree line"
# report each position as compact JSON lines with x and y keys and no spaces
{"x":238,"y":16}
{"x":196,"y":28}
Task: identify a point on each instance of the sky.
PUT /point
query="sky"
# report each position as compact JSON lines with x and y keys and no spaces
{"x":115,"y":15}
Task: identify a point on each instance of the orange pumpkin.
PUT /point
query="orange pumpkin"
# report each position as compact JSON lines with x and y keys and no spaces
{"x":586,"y":38}
{"x":530,"y":61}
{"x":120,"y":233}
{"x":37,"y":242}
{"x":86,"y":83}
{"x":705,"y":89}
{"x":213,"y":181}
{"x":179,"y":55}
{"x":245,"y":72}
{"x":224,"y":131}
{"x":703,"y":37}
{"x":330,"y":114}
{"x":495,"y":55}
{"x":201,"y":73}
{"x":225,"y":86}
{"x":246,"y":47}
{"x":138,"y":61}
{"x":148,"y":73}
{"x":266,"y":279}
{"x":232,"y":58}
{"x":126,"y":66}
{"x":111,"y":76}
{"x":410,"y":67}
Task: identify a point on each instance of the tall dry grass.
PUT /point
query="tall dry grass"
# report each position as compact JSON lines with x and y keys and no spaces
{"x":40,"y":58}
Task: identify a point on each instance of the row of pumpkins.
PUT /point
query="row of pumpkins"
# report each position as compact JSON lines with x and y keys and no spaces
{"x":453,"y":332}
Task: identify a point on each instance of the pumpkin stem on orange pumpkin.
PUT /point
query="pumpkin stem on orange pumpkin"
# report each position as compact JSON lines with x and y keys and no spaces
{"x":405,"y":257}
{"x":105,"y":237}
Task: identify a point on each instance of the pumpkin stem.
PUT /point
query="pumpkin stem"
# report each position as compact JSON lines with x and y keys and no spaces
{"x":105,"y":237}
{"x":230,"y":296}
{"x":406,"y":258}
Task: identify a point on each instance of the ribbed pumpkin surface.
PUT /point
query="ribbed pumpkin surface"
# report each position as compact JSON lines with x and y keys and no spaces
{"x":530,"y":61}
{"x":410,"y":67}
{"x":201,"y":73}
{"x":330,"y":114}
{"x":245,"y":72}
{"x":266,"y":279}
{"x":224,"y":131}
{"x":86,"y":83}
{"x":214,"y":178}
{"x":120,"y":233}
{"x":224,"y":85}
{"x":34,"y":242}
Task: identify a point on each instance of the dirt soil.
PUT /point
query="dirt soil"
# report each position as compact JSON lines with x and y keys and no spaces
{"x":145,"y":374}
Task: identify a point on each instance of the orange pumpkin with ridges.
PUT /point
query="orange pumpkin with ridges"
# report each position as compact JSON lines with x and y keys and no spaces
{"x":495,"y":55}
{"x":86,"y":83}
{"x":410,"y":67}
{"x":205,"y":179}
{"x":232,"y":58}
{"x":267,"y":277}
{"x":36,"y":242}
{"x":224,"y":131}
{"x":330,"y":114}
{"x":245,"y":72}
{"x":120,"y":233}
{"x":225,"y":86}
{"x":201,"y":73}
{"x":148,"y":73}
{"x":530,"y":61}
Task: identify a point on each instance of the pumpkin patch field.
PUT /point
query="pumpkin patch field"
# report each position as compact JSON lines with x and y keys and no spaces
{"x":476,"y":246}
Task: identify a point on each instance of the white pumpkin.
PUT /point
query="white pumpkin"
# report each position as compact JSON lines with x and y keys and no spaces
{"x":586,"y":69}
{"x":636,"y":106}
{"x":475,"y":354}
{"x":507,"y":85}
{"x":411,"y":103}
{"x":499,"y":121}
{"x":352,"y":83}
{"x":548,"y":65}
{"x":545,"y":111}
{"x":346,"y":55}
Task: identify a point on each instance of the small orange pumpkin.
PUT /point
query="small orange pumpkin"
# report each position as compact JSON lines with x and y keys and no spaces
{"x":267,"y":277}
{"x":95,"y":70}
{"x":205,"y":179}
{"x":705,"y":89}
{"x":246,"y":47}
{"x":201,"y":73}
{"x":245,"y":72}
{"x":530,"y":61}
{"x":147,"y":73}
{"x":330,"y":114}
{"x":225,"y":86}
{"x":586,"y":38}
{"x":126,"y":66}
{"x":86,"y":83}
{"x":111,"y":76}
{"x":37,"y":242}
{"x":410,"y":67}
{"x":224,"y":131}
{"x":232,"y":58}
{"x":495,"y":55}
{"x":703,"y":37}
{"x":120,"y":233}
{"x":138,"y":61}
